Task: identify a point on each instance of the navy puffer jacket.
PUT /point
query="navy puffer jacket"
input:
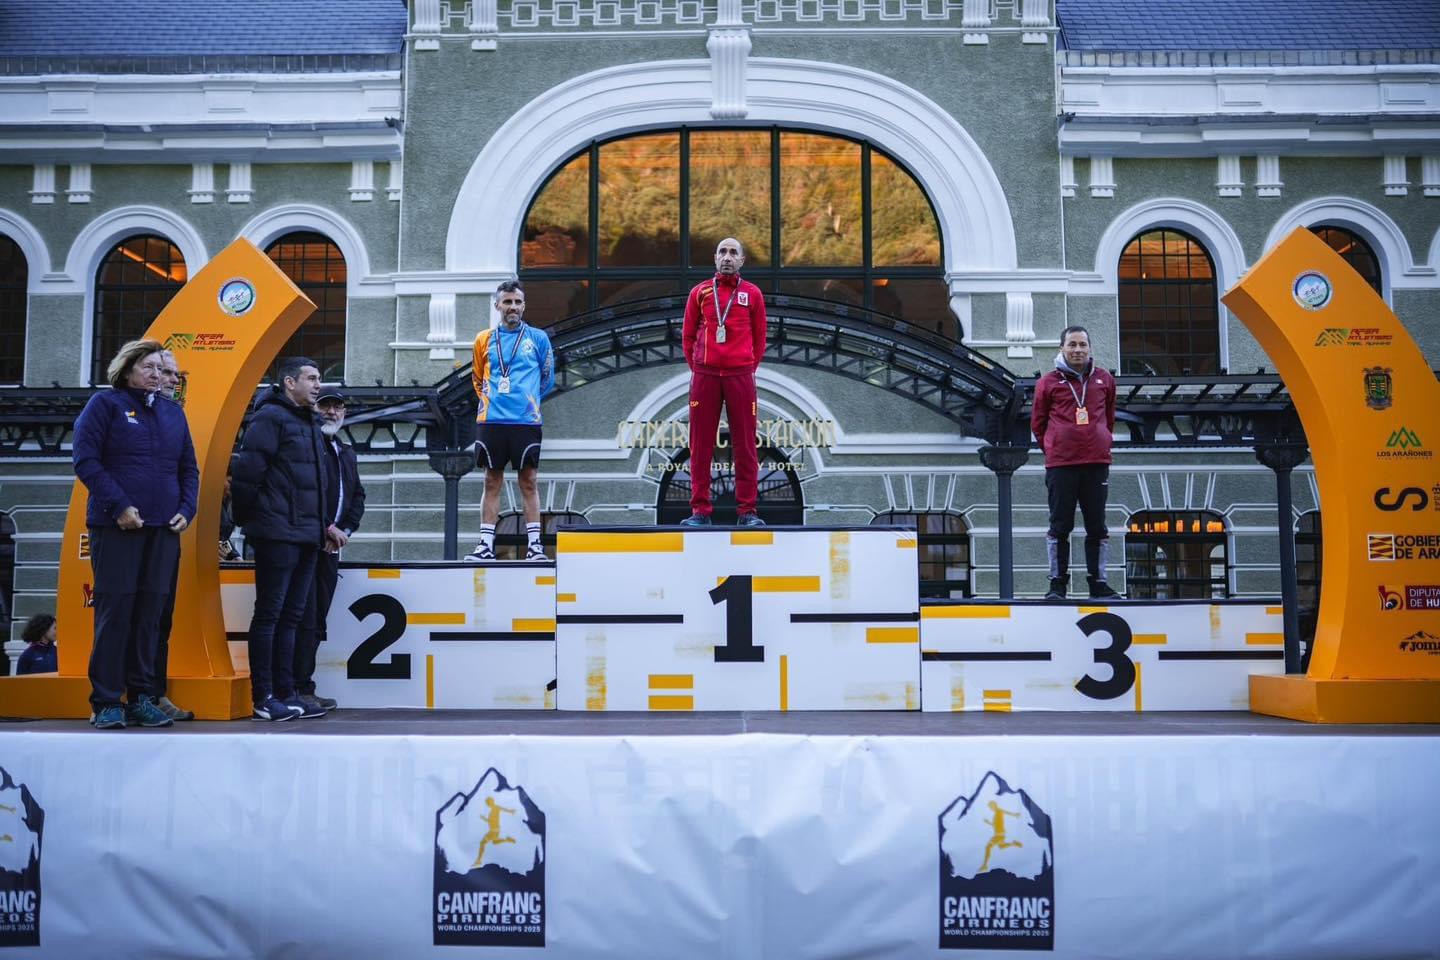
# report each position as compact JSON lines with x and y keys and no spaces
{"x":277,"y":481}
{"x":133,"y":449}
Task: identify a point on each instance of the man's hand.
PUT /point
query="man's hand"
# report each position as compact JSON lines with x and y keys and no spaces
{"x":130,"y":519}
{"x":336,"y":537}
{"x":178,"y":523}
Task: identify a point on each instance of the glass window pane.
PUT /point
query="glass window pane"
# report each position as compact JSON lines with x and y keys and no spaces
{"x":903,"y":228}
{"x":820,"y":223}
{"x":316,"y":265}
{"x":849,"y":290}
{"x":133,"y":283}
{"x":557,"y":229}
{"x":549,"y":301}
{"x":730,"y":193}
{"x":640,"y":201}
{"x":612,"y":292}
{"x":921,"y":301}
{"x":14,"y":278}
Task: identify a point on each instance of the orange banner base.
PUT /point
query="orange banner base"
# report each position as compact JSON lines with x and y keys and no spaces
{"x":51,"y":696}
{"x":1346,"y":701}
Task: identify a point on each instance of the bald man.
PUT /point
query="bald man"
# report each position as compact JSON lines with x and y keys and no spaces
{"x":724,"y":338}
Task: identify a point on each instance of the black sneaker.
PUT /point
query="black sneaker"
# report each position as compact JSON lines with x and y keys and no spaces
{"x":480,"y":553}
{"x":326,"y":702}
{"x":143,"y":713}
{"x":695,"y":520}
{"x":309,"y":704}
{"x":1100,"y":590}
{"x":749,"y":520}
{"x":535,"y":552}
{"x":1058,"y":586}
{"x":272,"y":709}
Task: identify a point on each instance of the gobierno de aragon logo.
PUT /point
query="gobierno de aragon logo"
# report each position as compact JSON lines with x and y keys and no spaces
{"x":490,"y":867}
{"x":997,"y":871}
{"x":22,"y":823}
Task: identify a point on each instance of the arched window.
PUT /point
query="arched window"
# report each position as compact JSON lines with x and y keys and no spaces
{"x":14,"y":300}
{"x":944,"y":545}
{"x":819,"y":216}
{"x":510,"y":538}
{"x":1169,"y":306}
{"x":316,"y":265}
{"x":779,"y":499}
{"x":1176,"y":555}
{"x":1353,"y":250}
{"x":135,"y":281}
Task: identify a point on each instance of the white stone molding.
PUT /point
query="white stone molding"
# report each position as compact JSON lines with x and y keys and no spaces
{"x":1398,"y":269}
{"x":31,"y":244}
{"x":202,"y":183}
{"x":396,"y":185}
{"x":79,"y":190}
{"x":729,"y":48}
{"x":42,"y":189}
{"x":1019,"y":324}
{"x":270,"y":225}
{"x":1227,"y":176}
{"x":98,"y":237}
{"x":1397,"y":183}
{"x":1102,"y":176}
{"x":1267,"y":175}
{"x":362,"y":180}
{"x":1035,"y":20}
{"x":963,"y":310}
{"x":426,"y":29}
{"x":970,"y":205}
{"x":484,"y":25}
{"x":238,"y":189}
{"x":976,"y":17}
{"x":442,"y":326}
{"x":1430,"y":174}
{"x":1198,"y":220}
{"x":1067,"y":175}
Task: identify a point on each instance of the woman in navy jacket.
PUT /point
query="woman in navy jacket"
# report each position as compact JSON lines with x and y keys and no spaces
{"x":133,"y":452}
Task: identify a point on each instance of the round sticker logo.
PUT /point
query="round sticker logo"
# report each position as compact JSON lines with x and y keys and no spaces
{"x":237,"y":297}
{"x":1312,"y":290}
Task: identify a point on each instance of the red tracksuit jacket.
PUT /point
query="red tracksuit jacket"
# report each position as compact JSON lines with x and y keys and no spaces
{"x":1052,"y":419}
{"x":744,"y":327}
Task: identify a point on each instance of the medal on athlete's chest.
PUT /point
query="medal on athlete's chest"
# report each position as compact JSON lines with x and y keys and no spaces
{"x":1082,"y":416}
{"x":503,"y":386}
{"x":719,"y":334}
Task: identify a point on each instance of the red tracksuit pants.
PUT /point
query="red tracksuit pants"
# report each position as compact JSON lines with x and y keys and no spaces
{"x":737,"y":393}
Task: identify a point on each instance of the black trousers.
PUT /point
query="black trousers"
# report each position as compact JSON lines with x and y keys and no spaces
{"x":133,"y":571}
{"x":1089,"y":486}
{"x":284,"y":574}
{"x":162,"y":646}
{"x":312,"y":631}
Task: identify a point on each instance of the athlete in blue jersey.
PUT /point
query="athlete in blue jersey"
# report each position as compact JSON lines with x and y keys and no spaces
{"x":513,"y":369}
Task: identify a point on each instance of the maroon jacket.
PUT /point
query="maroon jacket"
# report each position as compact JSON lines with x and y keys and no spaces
{"x":1052,"y":420}
{"x":744,"y":327}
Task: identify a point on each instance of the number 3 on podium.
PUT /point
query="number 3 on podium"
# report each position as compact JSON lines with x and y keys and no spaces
{"x":1122,"y":668}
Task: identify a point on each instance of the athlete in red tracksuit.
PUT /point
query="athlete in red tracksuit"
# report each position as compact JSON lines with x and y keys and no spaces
{"x":724,"y":340}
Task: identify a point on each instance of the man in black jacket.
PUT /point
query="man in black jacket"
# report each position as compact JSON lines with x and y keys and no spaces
{"x":278,"y":495}
{"x":344,"y":506}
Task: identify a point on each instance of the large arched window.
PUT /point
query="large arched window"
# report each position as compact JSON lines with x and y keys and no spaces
{"x":944,"y":545}
{"x":1176,"y":555}
{"x":135,"y":281}
{"x":14,"y":282}
{"x":819,"y":215}
{"x":316,"y":265}
{"x":1169,"y":306}
{"x":1354,"y":250}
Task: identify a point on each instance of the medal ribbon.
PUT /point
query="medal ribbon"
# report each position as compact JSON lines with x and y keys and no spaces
{"x":1084,"y":389}
{"x":715,"y":292}
{"x":500,"y":351}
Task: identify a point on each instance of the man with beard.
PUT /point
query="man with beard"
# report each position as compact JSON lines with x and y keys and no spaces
{"x":344,"y":506}
{"x":513,"y":369}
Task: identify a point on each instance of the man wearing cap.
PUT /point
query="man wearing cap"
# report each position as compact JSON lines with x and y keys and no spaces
{"x":724,"y":339}
{"x":344,"y":506}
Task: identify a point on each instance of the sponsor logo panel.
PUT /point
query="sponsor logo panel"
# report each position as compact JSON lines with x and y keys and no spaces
{"x":236,"y":297}
{"x":1353,"y":337}
{"x":200,"y":342}
{"x":1414,"y":498}
{"x":1312,"y":290}
{"x":22,"y":827}
{"x":1422,"y":643}
{"x":1404,"y":444}
{"x":1379,"y":388}
{"x":1402,"y":546}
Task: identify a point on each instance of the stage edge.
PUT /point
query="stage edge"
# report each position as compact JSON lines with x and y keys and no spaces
{"x":1346,"y":701}
{"x":56,"y":697}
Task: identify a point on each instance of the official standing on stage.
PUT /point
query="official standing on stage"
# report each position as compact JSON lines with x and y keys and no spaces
{"x":132,"y":450}
{"x":169,"y":389}
{"x":1073,"y":418}
{"x":513,"y":370}
{"x":278,"y":495}
{"x":344,"y":506}
{"x":724,"y":339}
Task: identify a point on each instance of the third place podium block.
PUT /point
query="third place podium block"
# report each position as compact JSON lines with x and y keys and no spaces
{"x":797,"y":618}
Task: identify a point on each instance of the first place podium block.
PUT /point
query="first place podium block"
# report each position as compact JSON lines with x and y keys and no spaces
{"x":779,"y":618}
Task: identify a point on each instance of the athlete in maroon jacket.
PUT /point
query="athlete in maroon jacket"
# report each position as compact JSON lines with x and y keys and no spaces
{"x":724,"y":340}
{"x":1074,"y":419}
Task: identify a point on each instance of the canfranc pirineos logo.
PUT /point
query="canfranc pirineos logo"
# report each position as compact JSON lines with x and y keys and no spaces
{"x":21,"y":824}
{"x":490,"y":867}
{"x":997,"y":871}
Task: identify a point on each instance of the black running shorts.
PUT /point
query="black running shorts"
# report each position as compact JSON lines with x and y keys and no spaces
{"x":517,"y":444}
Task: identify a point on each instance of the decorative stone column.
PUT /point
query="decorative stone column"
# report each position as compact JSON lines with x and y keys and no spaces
{"x":1003,"y":462}
{"x":442,"y":326}
{"x":729,"y":47}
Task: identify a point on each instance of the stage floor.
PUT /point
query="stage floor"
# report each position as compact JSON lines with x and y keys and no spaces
{"x":489,"y":723}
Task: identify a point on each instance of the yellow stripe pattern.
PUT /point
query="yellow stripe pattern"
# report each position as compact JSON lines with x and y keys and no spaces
{"x":1265,"y":639}
{"x":621,"y":542}
{"x":672,"y":702}
{"x":430,"y":681}
{"x":564,"y":598}
{"x":977,"y":612}
{"x":752,"y":538}
{"x":434,"y":619}
{"x":892,"y":634}
{"x":784,"y":682}
{"x":672,"y":681}
{"x":545,"y":581}
{"x":1153,"y":638}
{"x":374,"y":574}
{"x":535,"y":625}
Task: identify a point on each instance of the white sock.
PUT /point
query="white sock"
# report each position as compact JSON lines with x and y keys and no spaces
{"x":532,"y":533}
{"x":487,"y":535}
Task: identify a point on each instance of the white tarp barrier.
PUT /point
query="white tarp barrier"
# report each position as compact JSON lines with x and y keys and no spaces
{"x":726,"y":848}
{"x":1173,"y":655}
{"x":722,"y":619}
{"x":478,"y":636}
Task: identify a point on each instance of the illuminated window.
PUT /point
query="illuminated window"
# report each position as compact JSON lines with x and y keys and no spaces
{"x":1176,"y":555}
{"x":315,"y":265}
{"x":135,"y":281}
{"x":1354,"y":250}
{"x":510,"y":538}
{"x":944,"y":544}
{"x":1169,"y":307}
{"x":819,"y":215}
{"x":14,"y":280}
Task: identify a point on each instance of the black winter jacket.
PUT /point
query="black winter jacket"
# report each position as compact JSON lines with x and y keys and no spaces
{"x":277,"y":480}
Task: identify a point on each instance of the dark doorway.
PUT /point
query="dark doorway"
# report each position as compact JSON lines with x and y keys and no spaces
{"x":780,"y":501}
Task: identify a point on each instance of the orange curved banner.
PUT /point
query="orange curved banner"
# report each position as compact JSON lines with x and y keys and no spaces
{"x":1370,"y":405}
{"x":225,"y":328}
